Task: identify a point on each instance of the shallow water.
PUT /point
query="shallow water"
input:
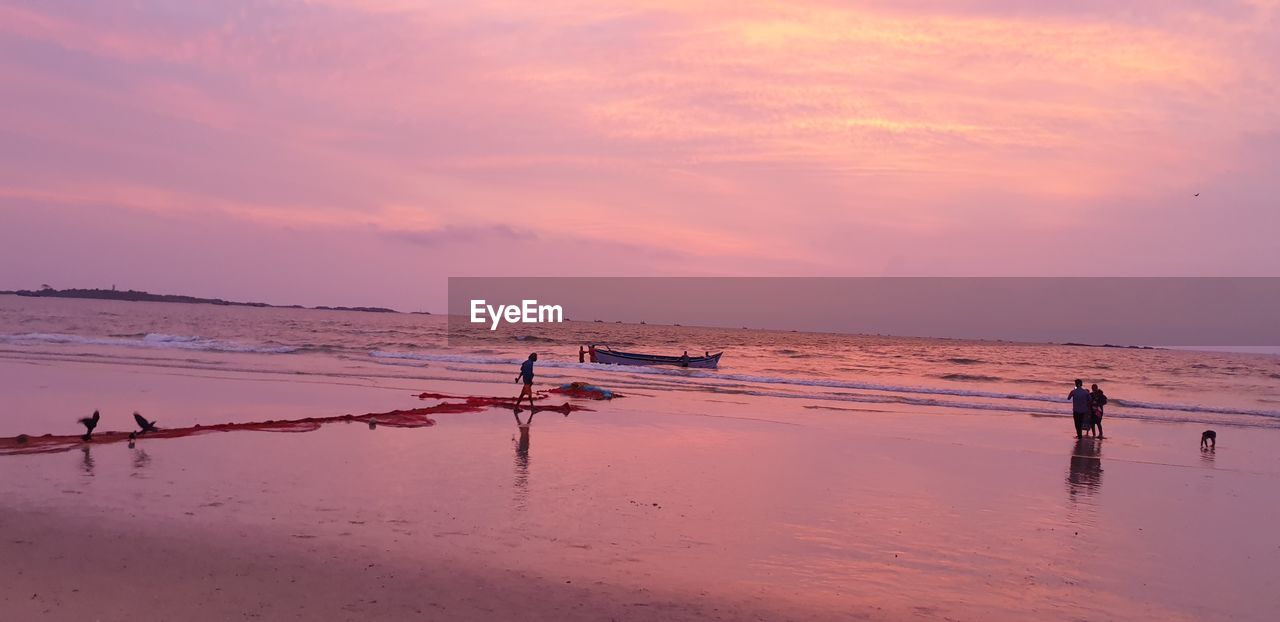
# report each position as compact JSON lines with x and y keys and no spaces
{"x":1213,"y":388}
{"x":891,"y":513}
{"x":890,"y":493}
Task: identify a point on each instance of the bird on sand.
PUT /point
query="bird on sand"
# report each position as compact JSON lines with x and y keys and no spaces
{"x":1197,"y":194}
{"x":147,"y":426}
{"x":89,"y":424}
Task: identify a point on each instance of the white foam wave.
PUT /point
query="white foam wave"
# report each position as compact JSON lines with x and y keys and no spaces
{"x":942,"y":403}
{"x":149,"y":340}
{"x":750,"y":379}
{"x":447,"y":358}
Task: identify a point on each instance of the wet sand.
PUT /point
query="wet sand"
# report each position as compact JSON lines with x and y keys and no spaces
{"x":103,"y":568}
{"x":674,"y":506}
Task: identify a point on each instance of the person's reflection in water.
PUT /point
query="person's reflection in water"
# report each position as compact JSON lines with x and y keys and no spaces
{"x":523,"y":446}
{"x":1085,"y":475}
{"x":1207,"y":455}
{"x":522,"y":461}
{"x":86,"y":464}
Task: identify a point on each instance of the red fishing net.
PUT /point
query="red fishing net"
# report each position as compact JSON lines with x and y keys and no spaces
{"x":585,"y":391}
{"x":412,"y":418}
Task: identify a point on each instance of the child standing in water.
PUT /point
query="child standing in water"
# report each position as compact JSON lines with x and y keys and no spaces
{"x":1097,"y":399}
{"x":526,"y":374}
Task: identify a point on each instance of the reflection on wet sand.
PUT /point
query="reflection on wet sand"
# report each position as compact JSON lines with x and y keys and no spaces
{"x":141,"y":459}
{"x":86,"y":464}
{"x":1084,"y":477}
{"x":1207,"y":456}
{"x":522,"y":462}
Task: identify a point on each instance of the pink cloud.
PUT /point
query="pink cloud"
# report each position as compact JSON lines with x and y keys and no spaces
{"x":744,"y":138}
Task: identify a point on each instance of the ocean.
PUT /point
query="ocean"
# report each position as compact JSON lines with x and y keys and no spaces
{"x":828,"y":371}
{"x":812,"y":476}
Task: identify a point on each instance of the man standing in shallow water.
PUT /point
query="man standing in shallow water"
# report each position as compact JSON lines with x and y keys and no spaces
{"x":1081,"y":407}
{"x":526,"y":374}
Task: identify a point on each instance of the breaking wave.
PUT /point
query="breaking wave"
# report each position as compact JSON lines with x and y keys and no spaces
{"x":148,"y":340}
{"x":714,"y":378}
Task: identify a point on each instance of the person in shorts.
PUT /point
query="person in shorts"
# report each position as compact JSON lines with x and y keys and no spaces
{"x":526,"y":375}
{"x":1081,"y":407}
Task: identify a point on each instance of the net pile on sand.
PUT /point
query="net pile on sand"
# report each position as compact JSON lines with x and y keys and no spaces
{"x":585,"y":391}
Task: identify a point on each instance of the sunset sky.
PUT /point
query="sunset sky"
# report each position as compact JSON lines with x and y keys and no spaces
{"x":361,"y":151}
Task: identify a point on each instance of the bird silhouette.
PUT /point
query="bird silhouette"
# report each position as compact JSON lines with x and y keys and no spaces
{"x":1197,"y":194}
{"x":147,"y":426}
{"x":89,"y":424}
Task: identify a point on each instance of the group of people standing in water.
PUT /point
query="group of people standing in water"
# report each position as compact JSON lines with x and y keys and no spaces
{"x":1086,"y":409}
{"x":1086,"y":404}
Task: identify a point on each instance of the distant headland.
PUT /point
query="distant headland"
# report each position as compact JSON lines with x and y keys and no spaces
{"x":1109,"y":345}
{"x":132,"y":295}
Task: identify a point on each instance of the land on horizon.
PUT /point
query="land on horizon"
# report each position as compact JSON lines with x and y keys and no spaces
{"x":132,"y":295}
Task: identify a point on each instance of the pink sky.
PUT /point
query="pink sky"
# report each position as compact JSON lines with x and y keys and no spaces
{"x":359,"y":152}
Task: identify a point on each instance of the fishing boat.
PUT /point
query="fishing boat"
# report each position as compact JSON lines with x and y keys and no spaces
{"x":608,"y":356}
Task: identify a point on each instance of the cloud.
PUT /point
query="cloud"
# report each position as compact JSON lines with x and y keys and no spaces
{"x":495,"y":234}
{"x":743,"y":137}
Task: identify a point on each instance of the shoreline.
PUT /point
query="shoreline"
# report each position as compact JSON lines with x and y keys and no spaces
{"x":683,"y":507}
{"x":431,"y":367}
{"x":784,"y":486}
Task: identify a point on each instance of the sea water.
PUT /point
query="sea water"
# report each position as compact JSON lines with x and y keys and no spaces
{"x":825,"y":370}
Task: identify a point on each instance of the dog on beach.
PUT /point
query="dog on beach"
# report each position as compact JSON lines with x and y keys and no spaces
{"x":1209,"y":440}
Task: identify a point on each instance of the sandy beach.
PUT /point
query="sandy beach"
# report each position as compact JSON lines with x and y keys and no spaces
{"x":801,"y":289}
{"x":674,"y":506}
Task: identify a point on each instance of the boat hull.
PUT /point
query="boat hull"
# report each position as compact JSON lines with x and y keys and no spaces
{"x":614,"y":357}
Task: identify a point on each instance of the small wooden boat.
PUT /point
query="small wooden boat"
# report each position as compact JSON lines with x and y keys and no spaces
{"x":603,"y":354}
